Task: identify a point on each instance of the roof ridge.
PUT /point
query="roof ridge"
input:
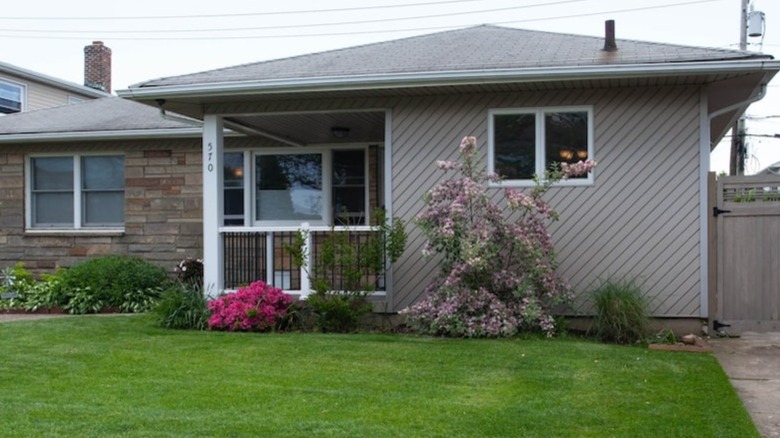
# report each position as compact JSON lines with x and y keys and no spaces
{"x":309,"y":55}
{"x":481,"y":47}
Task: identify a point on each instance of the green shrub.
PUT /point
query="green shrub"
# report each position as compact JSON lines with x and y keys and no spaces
{"x":114,"y":281}
{"x":345,"y":270}
{"x":84,"y":300}
{"x":665,"y":336}
{"x":299,"y":316}
{"x":16,"y":278}
{"x":182,"y":306}
{"x":14,"y":281}
{"x":621,"y":312}
{"x":29,"y":294}
{"x":337,"y":312}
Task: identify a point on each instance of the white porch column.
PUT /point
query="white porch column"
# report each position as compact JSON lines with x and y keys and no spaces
{"x":389,"y":293}
{"x":213,"y":211}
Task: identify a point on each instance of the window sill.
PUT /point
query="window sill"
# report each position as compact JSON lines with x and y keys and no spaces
{"x":530,"y":183}
{"x":88,"y":232}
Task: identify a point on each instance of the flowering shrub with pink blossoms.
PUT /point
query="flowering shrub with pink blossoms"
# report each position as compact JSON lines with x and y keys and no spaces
{"x":257,"y":307}
{"x":497,"y":272}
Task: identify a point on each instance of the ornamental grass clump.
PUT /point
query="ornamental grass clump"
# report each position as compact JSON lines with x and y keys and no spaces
{"x":257,"y":307}
{"x":621,"y":312}
{"x":497,"y":273}
{"x":182,"y":306}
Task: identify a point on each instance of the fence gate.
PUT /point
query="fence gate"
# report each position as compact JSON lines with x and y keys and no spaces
{"x":748,"y":252}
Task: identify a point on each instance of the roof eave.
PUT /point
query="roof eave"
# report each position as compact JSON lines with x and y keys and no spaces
{"x":447,"y":78}
{"x":52,"y":81}
{"x":134,"y":134}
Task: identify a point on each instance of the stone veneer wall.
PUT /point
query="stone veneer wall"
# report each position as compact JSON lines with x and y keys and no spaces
{"x":163,"y":207}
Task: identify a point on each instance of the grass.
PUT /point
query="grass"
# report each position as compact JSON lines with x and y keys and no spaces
{"x":121,"y":376}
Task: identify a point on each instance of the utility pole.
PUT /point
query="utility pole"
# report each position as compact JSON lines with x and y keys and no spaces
{"x":738,"y":147}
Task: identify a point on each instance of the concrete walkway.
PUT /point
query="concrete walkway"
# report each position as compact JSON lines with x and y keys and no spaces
{"x":752,"y":363}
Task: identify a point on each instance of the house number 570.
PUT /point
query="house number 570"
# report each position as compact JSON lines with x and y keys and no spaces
{"x":210,"y":158}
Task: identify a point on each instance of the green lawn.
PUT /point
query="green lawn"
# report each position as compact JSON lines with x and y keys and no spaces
{"x":121,"y":376}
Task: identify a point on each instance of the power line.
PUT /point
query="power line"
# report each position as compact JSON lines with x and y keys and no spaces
{"x":297,"y":26}
{"x":244,"y":14}
{"x":364,"y":32}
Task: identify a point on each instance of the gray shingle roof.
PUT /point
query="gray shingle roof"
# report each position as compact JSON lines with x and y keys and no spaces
{"x":478,"y":48}
{"x":105,"y":114}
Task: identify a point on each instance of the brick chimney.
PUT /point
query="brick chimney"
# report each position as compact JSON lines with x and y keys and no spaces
{"x":97,"y":66}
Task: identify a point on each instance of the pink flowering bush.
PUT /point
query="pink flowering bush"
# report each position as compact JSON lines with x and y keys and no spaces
{"x":497,"y":272}
{"x":257,"y":307}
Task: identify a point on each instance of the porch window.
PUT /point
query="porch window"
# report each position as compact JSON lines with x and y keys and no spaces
{"x":525,"y":142}
{"x":349,"y":187}
{"x":234,"y":188}
{"x":288,"y":187}
{"x":265,"y":206}
{"x":323,"y":187}
{"x":77,"y":192}
{"x":11,"y":97}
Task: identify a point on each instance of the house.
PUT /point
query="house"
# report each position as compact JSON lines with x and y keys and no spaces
{"x":135,"y":191}
{"x":772,"y":169}
{"x":347,"y":131}
{"x":26,"y":90}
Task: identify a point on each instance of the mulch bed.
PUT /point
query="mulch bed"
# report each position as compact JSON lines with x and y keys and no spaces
{"x":700,"y":346}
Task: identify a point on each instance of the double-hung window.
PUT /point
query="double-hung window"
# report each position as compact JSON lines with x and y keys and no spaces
{"x":11,"y":97}
{"x":524,"y":142}
{"x":76,"y":192}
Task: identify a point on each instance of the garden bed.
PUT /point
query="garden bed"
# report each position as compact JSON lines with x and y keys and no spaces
{"x":49,"y":311}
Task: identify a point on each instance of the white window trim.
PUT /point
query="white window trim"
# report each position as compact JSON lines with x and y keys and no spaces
{"x":23,"y":92}
{"x":77,"y":206}
{"x":539,"y":112}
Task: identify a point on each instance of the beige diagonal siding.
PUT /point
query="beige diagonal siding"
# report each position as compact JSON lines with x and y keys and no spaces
{"x":639,"y":220}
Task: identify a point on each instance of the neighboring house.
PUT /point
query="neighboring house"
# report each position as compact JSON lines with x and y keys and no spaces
{"x":25,"y":90}
{"x":772,"y":169}
{"x":354,"y":129}
{"x":105,"y":176}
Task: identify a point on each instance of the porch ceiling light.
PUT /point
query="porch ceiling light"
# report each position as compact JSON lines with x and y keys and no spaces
{"x":339,"y":131}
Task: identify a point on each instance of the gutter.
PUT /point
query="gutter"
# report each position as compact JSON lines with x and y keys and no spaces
{"x":102,"y":135}
{"x":446,"y":78}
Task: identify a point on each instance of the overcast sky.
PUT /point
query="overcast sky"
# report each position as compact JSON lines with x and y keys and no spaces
{"x":152,"y":39}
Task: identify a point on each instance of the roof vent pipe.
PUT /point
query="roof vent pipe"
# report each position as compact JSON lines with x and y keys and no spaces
{"x":609,"y":36}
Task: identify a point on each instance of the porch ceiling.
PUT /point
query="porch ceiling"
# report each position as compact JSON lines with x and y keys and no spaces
{"x":314,"y":128}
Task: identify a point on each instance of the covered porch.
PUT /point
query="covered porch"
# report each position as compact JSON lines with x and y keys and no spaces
{"x":281,"y":174}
